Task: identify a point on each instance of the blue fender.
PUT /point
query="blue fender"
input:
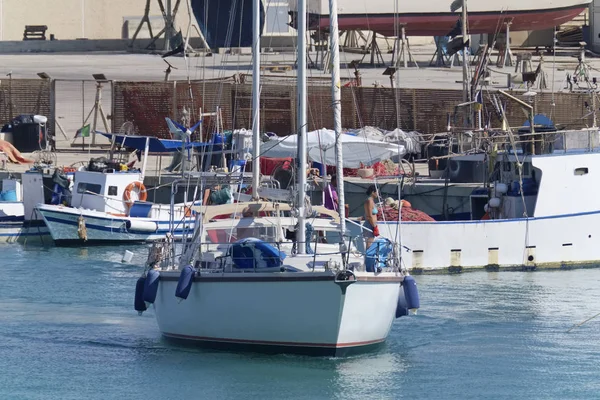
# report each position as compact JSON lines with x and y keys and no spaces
{"x":408,"y":298}
{"x":138,"y":303}
{"x":411,"y":292}
{"x":151,"y":286}
{"x":402,"y":306}
{"x":184,"y":285}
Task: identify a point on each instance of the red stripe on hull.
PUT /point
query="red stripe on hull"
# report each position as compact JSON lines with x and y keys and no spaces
{"x":440,"y":25}
{"x":271,"y":343}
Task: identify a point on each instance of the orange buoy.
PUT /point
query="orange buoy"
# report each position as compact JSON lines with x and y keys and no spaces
{"x":143,"y":195}
{"x":406,"y":203}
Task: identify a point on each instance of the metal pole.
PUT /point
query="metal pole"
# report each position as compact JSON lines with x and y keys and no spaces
{"x":145,"y":160}
{"x":336,"y":95}
{"x":595,"y":123}
{"x":82,"y":19}
{"x":302,"y":129}
{"x":168,"y":25}
{"x":465,"y":60}
{"x":255,"y":98}
{"x":96,"y":109}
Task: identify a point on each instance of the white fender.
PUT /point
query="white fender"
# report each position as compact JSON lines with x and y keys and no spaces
{"x":141,"y":226}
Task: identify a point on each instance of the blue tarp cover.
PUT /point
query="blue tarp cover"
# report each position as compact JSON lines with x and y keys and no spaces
{"x":156,"y":145}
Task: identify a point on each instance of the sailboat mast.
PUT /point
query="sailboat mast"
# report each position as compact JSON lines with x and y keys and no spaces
{"x":302,"y":123}
{"x":255,"y":98}
{"x":336,"y":95}
{"x":465,"y":59}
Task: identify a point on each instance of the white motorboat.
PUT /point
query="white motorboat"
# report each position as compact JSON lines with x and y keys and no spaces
{"x":109,"y":204}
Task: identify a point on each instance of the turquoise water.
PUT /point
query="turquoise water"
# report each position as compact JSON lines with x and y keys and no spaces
{"x":68,"y":331}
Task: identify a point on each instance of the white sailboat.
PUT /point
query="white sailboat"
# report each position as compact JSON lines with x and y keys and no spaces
{"x":261,"y":283}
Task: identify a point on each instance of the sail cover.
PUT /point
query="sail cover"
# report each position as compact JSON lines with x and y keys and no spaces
{"x":321,"y":148}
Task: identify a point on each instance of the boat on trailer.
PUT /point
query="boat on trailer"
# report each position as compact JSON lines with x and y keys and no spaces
{"x":435,"y":17}
{"x":228,"y":23}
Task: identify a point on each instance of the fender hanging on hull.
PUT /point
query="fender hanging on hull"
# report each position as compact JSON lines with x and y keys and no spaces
{"x":408,"y":298}
{"x":184,"y":284}
{"x":151,"y":286}
{"x":139,"y":304}
{"x":134,"y":225}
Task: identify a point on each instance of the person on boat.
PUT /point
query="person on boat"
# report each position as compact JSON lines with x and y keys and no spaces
{"x":372,"y":230}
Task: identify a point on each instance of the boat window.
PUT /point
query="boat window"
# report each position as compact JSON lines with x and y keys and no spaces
{"x":112,"y":191}
{"x":581,"y":171}
{"x":89,"y":187}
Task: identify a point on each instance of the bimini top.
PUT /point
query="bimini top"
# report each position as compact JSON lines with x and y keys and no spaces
{"x":155,"y":144}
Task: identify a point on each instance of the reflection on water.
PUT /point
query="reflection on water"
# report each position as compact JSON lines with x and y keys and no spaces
{"x":366,"y":375}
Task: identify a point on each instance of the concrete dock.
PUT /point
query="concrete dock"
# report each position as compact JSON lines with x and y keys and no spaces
{"x":146,"y":67}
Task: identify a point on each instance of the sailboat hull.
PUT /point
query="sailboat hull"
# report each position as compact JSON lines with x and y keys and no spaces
{"x":440,"y":24}
{"x":434,"y":17}
{"x":304,"y":313}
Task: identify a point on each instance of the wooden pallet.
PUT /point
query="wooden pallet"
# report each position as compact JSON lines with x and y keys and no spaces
{"x":276,"y":68}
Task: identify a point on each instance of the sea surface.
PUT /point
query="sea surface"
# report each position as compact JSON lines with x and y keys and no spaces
{"x":68,"y":331}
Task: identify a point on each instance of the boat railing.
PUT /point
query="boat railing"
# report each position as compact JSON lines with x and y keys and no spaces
{"x":536,"y":143}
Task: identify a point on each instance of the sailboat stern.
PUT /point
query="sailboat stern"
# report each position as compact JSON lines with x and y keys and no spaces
{"x":301,"y":313}
{"x":368,"y":312}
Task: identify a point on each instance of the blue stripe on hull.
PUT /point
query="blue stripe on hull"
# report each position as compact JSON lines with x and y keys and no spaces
{"x":147,"y":236}
{"x":12,"y":218}
{"x":110,"y":228}
{"x":492,"y":221}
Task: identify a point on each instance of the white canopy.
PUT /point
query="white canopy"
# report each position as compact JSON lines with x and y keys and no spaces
{"x":321,"y":148}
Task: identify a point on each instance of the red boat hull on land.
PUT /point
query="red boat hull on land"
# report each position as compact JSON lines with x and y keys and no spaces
{"x":431,"y":24}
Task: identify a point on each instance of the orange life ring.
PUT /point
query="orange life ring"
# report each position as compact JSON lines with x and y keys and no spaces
{"x":143,"y":195}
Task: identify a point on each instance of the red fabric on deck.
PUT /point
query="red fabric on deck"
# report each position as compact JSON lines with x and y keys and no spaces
{"x":268,"y":165}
